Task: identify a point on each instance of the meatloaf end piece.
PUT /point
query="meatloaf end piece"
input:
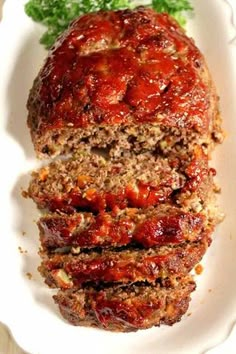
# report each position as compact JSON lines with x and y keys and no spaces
{"x":127,"y":80}
{"x":126,"y":309}
{"x":127,"y":266}
{"x":164,"y":225}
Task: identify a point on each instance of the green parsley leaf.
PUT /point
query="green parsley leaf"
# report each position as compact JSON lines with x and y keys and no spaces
{"x":56,"y":15}
{"x":175,"y":8}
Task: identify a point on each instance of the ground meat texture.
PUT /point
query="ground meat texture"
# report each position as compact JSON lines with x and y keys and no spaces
{"x":165,"y":225}
{"x":123,"y":79}
{"x":127,"y":308}
{"x":127,"y":266}
{"x":92,"y":183}
{"x":197,"y":193}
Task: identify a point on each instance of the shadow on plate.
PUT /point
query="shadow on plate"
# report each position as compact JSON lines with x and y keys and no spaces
{"x":29,"y":59}
{"x":7,"y":343}
{"x":27,"y":64}
{"x":28,"y":243}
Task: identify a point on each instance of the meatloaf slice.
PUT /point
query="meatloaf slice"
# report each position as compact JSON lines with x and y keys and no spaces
{"x":164,"y":225}
{"x":127,"y":308}
{"x":127,"y":80}
{"x":127,"y":266}
{"x":92,"y":183}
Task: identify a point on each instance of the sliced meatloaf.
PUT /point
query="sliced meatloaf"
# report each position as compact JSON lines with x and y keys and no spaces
{"x":126,"y":308}
{"x":164,"y":225}
{"x":124,"y":266}
{"x":92,"y":183}
{"x":127,"y":80}
{"x":126,"y":227}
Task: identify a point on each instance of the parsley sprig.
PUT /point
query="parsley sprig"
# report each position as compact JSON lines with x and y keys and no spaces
{"x":56,"y":15}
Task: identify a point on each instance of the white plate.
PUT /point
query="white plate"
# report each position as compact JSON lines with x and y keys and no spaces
{"x":26,"y":306}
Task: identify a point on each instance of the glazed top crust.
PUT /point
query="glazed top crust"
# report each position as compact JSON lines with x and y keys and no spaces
{"x":123,"y":67}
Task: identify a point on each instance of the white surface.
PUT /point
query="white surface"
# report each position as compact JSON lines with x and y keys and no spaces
{"x":25,"y":305}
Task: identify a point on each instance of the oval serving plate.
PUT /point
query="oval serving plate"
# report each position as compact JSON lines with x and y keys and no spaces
{"x":26,"y":306}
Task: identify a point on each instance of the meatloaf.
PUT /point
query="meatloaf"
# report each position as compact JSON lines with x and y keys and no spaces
{"x":163,"y":225}
{"x":123,"y":266}
{"x":123,"y":80}
{"x":90,"y":182}
{"x":126,"y":308}
{"x":129,"y":210}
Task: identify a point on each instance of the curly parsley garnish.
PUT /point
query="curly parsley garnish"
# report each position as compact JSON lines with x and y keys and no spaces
{"x":56,"y":15}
